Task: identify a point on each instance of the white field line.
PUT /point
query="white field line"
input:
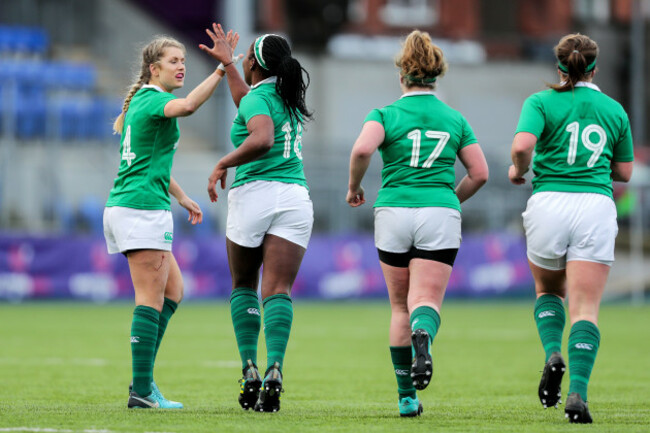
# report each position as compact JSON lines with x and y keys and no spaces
{"x":54,"y":430}
{"x":84,"y":362}
{"x":98,"y":362}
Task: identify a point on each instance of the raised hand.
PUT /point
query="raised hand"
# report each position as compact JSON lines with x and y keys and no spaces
{"x":224,"y":43}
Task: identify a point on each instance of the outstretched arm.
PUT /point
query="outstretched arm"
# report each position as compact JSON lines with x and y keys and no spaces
{"x":223,"y":51}
{"x":181,"y":107}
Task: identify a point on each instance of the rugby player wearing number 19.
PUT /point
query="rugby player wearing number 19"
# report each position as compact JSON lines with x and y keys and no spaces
{"x":582,"y":141}
{"x":417,"y":212}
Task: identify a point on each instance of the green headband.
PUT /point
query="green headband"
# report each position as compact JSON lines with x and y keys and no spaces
{"x":257,"y":48}
{"x":590,"y":67}
{"x":421,"y":80}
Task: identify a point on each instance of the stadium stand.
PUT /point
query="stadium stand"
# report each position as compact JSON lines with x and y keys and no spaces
{"x":48,"y":98}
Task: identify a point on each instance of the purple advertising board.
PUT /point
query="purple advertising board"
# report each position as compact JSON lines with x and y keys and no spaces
{"x":334,"y":267}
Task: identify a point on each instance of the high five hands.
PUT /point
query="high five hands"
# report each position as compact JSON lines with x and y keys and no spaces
{"x":224,"y":44}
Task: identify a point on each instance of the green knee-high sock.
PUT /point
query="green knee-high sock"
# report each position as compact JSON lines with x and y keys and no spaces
{"x":144,"y":334}
{"x":428,"y":319}
{"x":278,"y":315}
{"x":584,"y":340}
{"x":550,"y":318}
{"x":401,"y":357}
{"x":246,"y":319}
{"x":169,"y":308}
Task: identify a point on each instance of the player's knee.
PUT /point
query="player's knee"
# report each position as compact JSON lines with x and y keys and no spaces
{"x":399,"y":306}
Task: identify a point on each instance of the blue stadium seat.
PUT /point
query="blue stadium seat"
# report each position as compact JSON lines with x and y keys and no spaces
{"x":52,"y":73}
{"x":92,"y":113}
{"x":70,"y":76}
{"x":31,"y":115}
{"x":23,"y":97}
{"x":6,"y":106}
{"x":91,"y":214}
{"x":104,"y":117}
{"x":18,"y":41}
{"x":38,"y":41}
{"x":54,"y":99}
{"x":5,"y":41}
{"x":30,"y":74}
{"x":84,"y":117}
{"x":64,"y":216}
{"x":79,"y":76}
{"x":9,"y":40}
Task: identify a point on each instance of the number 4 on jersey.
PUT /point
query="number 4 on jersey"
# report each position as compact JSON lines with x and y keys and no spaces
{"x":127,"y":155}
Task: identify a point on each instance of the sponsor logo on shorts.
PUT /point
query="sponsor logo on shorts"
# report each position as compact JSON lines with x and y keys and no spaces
{"x":546,"y":313}
{"x":584,"y":346}
{"x":254,"y":311}
{"x":135,"y":339}
{"x":169,"y":237}
{"x":402,"y":372}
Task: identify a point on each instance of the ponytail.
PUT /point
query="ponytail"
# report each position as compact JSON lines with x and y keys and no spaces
{"x":273,"y":54}
{"x":292,"y":88}
{"x":576,"y":56}
{"x":420,"y":61}
{"x":118,"y":125}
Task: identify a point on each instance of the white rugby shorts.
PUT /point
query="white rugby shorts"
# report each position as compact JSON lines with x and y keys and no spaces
{"x":137,"y":229}
{"x":565,"y":226}
{"x":397,"y":229}
{"x":265,"y":207}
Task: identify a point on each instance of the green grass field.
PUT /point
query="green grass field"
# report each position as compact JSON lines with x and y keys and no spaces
{"x":66,"y":367}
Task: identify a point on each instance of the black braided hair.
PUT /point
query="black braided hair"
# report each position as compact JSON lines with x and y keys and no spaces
{"x":290,"y":84}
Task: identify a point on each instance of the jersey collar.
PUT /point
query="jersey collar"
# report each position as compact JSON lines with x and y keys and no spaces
{"x":272,"y":79}
{"x":417,"y":93}
{"x":152,"y":86}
{"x":587,"y":84}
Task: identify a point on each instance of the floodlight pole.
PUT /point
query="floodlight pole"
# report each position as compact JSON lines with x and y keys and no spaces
{"x":238,"y":16}
{"x":637,"y":102}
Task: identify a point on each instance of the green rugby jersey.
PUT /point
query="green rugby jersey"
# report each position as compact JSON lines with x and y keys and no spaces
{"x":579,"y":133}
{"x":149,"y":141}
{"x":283,"y":163}
{"x":423,"y":137}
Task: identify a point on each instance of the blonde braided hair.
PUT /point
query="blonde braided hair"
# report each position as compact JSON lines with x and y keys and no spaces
{"x":151,"y":54}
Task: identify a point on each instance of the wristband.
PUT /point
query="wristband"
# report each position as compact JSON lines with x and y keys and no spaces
{"x":222,"y":67}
